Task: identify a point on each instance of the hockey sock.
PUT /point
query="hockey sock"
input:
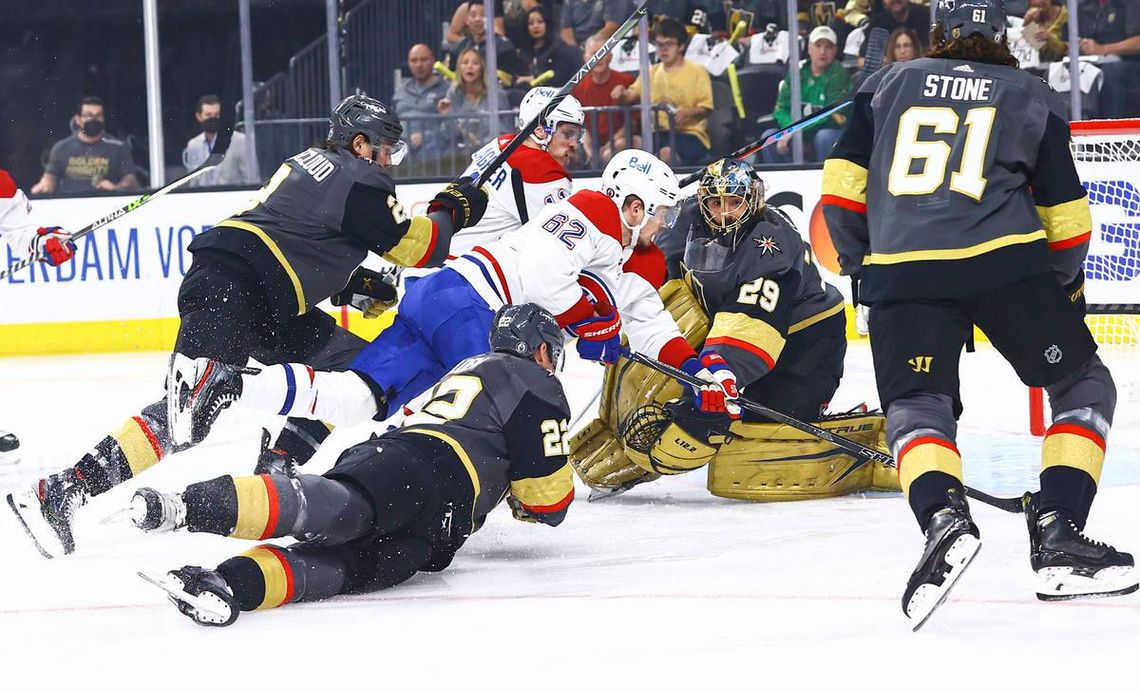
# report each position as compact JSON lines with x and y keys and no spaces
{"x":256,"y":507}
{"x":141,"y":442}
{"x":268,"y":576}
{"x":928,"y":466}
{"x":297,"y":390}
{"x":1071,"y":460}
{"x":299,"y":439}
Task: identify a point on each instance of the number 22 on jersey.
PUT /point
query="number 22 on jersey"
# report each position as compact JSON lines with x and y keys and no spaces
{"x":934,"y":156}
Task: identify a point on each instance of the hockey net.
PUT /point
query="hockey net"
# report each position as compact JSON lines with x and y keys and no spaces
{"x":1107,"y":155}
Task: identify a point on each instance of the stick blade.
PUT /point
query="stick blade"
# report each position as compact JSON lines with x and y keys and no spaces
{"x":876,"y":48}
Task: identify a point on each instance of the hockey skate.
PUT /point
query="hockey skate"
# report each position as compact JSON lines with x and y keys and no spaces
{"x":152,"y":511}
{"x":47,"y":512}
{"x":1069,"y":564}
{"x":273,"y":461}
{"x":9,"y":447}
{"x":197,"y":391}
{"x":201,"y":594}
{"x":952,"y":542}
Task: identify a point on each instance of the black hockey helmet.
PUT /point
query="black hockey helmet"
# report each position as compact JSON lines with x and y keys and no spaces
{"x":520,"y":329}
{"x":364,"y":115}
{"x":964,"y":18}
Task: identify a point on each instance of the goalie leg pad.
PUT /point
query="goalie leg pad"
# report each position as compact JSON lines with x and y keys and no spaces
{"x":600,"y":459}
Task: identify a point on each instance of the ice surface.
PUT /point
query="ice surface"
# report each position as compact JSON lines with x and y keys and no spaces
{"x":664,"y":587}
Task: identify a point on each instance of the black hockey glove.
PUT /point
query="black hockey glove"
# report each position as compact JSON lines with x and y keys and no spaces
{"x":371,"y":292}
{"x":463,"y":200}
{"x":1076,"y":291}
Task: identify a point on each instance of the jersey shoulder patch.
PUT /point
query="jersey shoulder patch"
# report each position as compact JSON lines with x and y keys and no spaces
{"x":601,"y":211}
{"x":536,"y":166}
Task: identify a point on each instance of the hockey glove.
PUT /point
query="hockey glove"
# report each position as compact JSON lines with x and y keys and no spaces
{"x":518,"y":511}
{"x":371,"y":292}
{"x":53,"y":245}
{"x":718,"y":394}
{"x":1076,"y":292}
{"x":599,"y":338}
{"x":463,"y":200}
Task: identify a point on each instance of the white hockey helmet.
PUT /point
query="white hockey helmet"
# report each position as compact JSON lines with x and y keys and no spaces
{"x":634,"y":172}
{"x":568,"y":110}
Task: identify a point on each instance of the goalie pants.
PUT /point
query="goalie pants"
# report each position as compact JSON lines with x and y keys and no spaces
{"x":226,"y":316}
{"x":420,"y":501}
{"x":916,"y":346}
{"x":807,"y":373}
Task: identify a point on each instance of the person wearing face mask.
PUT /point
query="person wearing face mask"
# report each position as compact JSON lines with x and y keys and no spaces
{"x":88,"y":159}
{"x":255,"y":283}
{"x":236,"y":169}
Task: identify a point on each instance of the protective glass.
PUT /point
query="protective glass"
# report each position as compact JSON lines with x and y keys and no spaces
{"x":394,"y":150}
{"x":569,"y":131}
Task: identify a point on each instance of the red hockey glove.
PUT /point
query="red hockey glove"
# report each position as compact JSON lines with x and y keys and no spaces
{"x":718,"y":394}
{"x":53,"y":245}
{"x":599,"y":338}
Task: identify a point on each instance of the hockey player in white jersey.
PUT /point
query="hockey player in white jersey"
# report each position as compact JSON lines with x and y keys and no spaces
{"x":53,"y":245}
{"x":568,"y":259}
{"x":533,"y":176}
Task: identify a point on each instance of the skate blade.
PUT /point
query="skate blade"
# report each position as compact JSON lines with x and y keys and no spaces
{"x":929,"y":597}
{"x":207,"y":608}
{"x":119,"y":517}
{"x":1058,"y":584}
{"x":31,"y":535}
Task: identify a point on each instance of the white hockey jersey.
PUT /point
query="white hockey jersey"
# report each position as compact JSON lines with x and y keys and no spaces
{"x":568,"y":259}
{"x":529,"y":180}
{"x":15,"y":225}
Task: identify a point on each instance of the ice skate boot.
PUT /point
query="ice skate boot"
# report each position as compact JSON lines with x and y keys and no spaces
{"x":152,"y":511}
{"x":9,"y":447}
{"x":47,"y":512}
{"x":1069,"y":564}
{"x":273,"y":461}
{"x":952,"y":541}
{"x":197,"y":391}
{"x":201,"y":594}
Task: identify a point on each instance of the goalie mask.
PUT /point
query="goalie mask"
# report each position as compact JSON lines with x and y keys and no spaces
{"x":730,"y":193}
{"x":964,"y":18}
{"x":521,"y":329}
{"x":371,"y":118}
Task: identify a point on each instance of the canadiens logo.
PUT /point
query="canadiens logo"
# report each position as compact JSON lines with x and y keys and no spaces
{"x":767,"y":245}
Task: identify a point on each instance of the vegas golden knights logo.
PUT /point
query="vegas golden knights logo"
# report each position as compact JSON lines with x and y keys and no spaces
{"x":921,"y":363}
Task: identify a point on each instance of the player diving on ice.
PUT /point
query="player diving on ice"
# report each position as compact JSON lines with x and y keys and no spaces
{"x":405,"y":502}
{"x":990,"y":230}
{"x":568,"y":260}
{"x":253,"y":284}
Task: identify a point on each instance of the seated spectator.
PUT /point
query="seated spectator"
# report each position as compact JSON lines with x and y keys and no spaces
{"x":685,"y":88}
{"x":823,"y":81}
{"x":89,"y":159}
{"x":902,"y":45}
{"x":896,"y":13}
{"x":607,"y":129}
{"x":545,"y":51}
{"x":584,"y":18}
{"x":467,"y":101}
{"x":1112,"y":27}
{"x":506,"y":57}
{"x":418,"y":97}
{"x":236,"y":169}
{"x":1044,"y":29}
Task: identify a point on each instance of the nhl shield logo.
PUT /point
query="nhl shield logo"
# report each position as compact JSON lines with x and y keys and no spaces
{"x":1053,"y":354}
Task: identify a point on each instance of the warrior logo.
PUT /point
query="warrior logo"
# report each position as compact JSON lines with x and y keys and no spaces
{"x":1053,"y":354}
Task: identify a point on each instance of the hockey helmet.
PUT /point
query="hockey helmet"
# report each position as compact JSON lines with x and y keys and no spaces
{"x":521,"y":329}
{"x":633,"y":172}
{"x":964,"y":18}
{"x":358,"y":114}
{"x":568,"y":110}
{"x":727,"y":178}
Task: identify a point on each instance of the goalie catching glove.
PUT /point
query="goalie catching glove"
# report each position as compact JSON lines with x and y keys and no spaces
{"x":53,"y":245}
{"x":718,"y":394}
{"x":463,"y":200}
{"x":371,"y":292}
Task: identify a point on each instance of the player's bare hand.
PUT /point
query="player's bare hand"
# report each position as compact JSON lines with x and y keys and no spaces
{"x":1091,"y":47}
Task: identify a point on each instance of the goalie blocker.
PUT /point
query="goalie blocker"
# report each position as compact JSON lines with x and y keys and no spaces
{"x":645,"y":429}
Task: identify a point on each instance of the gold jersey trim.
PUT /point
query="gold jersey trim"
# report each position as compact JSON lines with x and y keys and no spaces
{"x":302,"y":306}
{"x":463,"y":458}
{"x":842,"y":178}
{"x":877,"y":258}
{"x":1066,"y":220}
{"x":815,"y":318}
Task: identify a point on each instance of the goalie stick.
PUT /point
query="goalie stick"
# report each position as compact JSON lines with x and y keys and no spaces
{"x":563,"y":92}
{"x":863,"y":454}
{"x":876,"y":45}
{"x":221,"y":145}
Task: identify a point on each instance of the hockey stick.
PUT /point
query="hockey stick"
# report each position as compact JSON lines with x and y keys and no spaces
{"x":221,"y":145}
{"x":863,"y":454}
{"x":876,"y":45}
{"x":563,"y":92}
